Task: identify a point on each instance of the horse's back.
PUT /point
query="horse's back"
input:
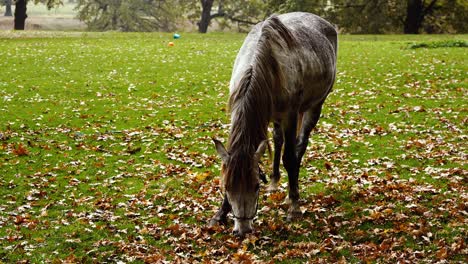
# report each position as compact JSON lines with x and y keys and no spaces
{"x":317,"y":59}
{"x":312,"y":32}
{"x":309,"y":67}
{"x":307,"y":22}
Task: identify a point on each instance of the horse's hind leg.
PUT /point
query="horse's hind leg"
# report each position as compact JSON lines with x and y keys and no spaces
{"x":309,"y":122}
{"x":278,"y":142}
{"x":221,"y":216}
{"x":291,"y":165}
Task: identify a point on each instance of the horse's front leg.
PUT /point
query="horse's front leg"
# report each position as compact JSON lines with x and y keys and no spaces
{"x":278,"y":142}
{"x":221,"y":216}
{"x":290,"y":162}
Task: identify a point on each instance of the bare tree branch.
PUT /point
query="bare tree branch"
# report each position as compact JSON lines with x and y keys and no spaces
{"x":241,"y":20}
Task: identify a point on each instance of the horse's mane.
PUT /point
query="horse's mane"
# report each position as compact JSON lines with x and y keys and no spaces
{"x":252,"y":102}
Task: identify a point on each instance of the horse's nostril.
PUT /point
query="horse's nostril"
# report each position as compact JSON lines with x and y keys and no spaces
{"x":241,"y":233}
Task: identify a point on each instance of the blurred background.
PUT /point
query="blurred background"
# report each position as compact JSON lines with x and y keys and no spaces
{"x":351,"y":17}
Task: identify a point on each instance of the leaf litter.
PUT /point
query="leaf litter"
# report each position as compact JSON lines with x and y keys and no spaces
{"x":128,"y":173}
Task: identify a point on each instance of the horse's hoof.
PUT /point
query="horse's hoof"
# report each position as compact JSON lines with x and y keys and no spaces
{"x":214,"y":222}
{"x":293,"y":216}
{"x":294,"y":212}
{"x":272,"y":187}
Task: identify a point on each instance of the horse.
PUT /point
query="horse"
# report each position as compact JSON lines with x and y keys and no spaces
{"x":282,"y":74}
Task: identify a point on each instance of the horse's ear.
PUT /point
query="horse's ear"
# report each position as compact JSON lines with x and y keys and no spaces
{"x":222,"y":152}
{"x":260,"y":150}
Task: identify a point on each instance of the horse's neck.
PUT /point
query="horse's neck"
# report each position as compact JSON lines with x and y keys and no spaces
{"x":248,"y":128}
{"x":243,"y":136}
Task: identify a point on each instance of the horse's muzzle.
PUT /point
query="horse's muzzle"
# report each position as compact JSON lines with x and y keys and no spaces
{"x":242,"y":227}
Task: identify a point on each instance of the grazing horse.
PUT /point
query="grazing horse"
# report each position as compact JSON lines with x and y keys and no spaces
{"x":283,"y":73}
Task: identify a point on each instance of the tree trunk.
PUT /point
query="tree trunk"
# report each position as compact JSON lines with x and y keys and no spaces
{"x":20,"y":14}
{"x":8,"y":8}
{"x":206,"y":15}
{"x":415,"y":13}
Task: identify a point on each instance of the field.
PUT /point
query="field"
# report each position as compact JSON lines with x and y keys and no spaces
{"x":106,"y":153}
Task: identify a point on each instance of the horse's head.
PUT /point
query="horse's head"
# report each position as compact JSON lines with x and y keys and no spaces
{"x":241,"y":182}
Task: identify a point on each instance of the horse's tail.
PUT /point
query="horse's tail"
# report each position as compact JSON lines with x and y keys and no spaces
{"x":275,"y":32}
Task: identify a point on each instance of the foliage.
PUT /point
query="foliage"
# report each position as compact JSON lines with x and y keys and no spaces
{"x":8,"y":9}
{"x":380,"y":16}
{"x":440,"y":44}
{"x":373,"y":17}
{"x":49,"y":3}
{"x":106,"y":154}
{"x":227,"y":13}
{"x":449,"y":16}
{"x":361,"y":16}
{"x":130,"y":15}
{"x":244,"y":10}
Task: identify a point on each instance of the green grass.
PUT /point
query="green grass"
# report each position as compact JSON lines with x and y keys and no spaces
{"x":106,"y":153}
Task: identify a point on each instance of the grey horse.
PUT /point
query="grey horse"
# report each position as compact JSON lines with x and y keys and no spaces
{"x":283,"y":73}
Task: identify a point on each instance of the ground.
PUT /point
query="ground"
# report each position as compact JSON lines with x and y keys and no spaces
{"x":106,"y":153}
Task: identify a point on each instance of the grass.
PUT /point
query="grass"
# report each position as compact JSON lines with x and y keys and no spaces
{"x":106,"y":153}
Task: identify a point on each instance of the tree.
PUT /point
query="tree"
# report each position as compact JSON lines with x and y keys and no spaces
{"x":384,"y":16}
{"x":8,"y":11}
{"x":20,"y":14}
{"x":206,"y":17}
{"x":130,"y":15}
{"x":453,"y":17}
{"x":416,"y":11}
{"x":21,"y":8}
{"x":358,"y":16}
{"x":245,"y":12}
{"x":441,"y":16}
